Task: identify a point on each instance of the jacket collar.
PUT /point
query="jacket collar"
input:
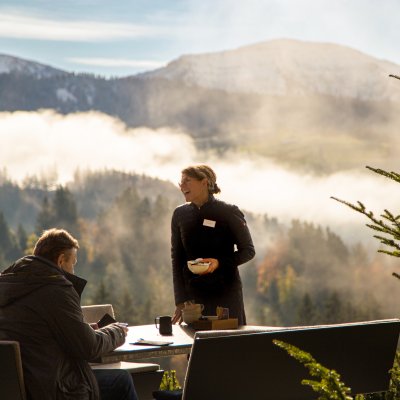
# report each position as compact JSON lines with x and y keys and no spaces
{"x":77,"y":282}
{"x":210,"y":200}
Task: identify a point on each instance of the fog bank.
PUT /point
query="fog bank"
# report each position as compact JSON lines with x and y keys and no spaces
{"x":46,"y":143}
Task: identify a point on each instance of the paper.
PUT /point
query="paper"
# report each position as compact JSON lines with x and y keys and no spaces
{"x":152,"y":342}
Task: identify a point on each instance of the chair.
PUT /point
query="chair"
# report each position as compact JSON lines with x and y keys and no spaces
{"x":93,"y":313}
{"x":248,"y":365}
{"x":12,"y":385}
{"x":146,"y":376}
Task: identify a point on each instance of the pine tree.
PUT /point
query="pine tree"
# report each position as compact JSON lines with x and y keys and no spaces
{"x":22,"y":238}
{"x":387,"y":224}
{"x":61,"y":212}
{"x":45,"y":217}
{"x":102,"y":295}
{"x":306,"y":311}
{"x":125,"y":310}
{"x":65,"y":212}
{"x":8,"y":244}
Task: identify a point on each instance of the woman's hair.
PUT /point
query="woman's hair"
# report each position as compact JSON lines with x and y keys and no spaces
{"x":54,"y":242}
{"x":202,"y":171}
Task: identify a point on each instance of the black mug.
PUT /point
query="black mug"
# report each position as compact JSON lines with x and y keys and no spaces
{"x":164,"y":324}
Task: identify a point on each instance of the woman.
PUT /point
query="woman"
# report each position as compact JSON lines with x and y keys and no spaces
{"x":208,"y":229}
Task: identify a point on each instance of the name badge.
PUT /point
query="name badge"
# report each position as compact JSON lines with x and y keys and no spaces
{"x":209,"y":223}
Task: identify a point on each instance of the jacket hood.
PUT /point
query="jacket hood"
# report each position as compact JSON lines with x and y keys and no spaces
{"x":30,"y":273}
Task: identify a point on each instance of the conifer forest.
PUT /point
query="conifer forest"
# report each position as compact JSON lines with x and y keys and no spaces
{"x":302,"y":274}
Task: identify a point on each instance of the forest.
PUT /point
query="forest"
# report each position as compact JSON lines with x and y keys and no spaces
{"x":302,"y":274}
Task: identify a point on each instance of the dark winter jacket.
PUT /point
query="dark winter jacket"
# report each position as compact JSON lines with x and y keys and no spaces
{"x":40,"y":308}
{"x":211,"y":231}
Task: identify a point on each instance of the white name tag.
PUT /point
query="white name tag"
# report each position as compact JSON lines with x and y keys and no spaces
{"x":208,"y":222}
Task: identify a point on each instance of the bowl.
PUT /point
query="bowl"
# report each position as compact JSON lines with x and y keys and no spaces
{"x":189,"y":316}
{"x":198,"y":267}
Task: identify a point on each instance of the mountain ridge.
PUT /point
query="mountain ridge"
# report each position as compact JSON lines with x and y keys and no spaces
{"x":286,"y":67}
{"x":280,"y":67}
{"x":331,"y":118}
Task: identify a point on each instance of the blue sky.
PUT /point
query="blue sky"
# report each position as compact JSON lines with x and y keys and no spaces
{"x":126,"y":37}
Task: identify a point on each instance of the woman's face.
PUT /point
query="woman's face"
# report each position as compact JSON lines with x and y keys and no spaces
{"x":194,"y":190}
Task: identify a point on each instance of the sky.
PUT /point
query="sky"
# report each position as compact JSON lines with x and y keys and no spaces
{"x":119,"y":38}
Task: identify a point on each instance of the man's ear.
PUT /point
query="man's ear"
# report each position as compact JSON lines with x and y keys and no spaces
{"x":60,"y":259}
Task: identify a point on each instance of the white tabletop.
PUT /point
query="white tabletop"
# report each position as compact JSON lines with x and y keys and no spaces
{"x":181,"y":338}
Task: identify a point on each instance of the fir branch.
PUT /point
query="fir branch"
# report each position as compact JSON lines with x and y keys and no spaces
{"x":390,"y":253}
{"x":388,"y":242}
{"x":394,"y":76}
{"x":381,"y":225}
{"x":392,"y":219}
{"x":394,"y":387}
{"x":377,"y":228}
{"x":370,"y":215}
{"x":391,"y":175}
{"x":330,"y":386}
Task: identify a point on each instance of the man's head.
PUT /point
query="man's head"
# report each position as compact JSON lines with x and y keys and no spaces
{"x":58,"y":246}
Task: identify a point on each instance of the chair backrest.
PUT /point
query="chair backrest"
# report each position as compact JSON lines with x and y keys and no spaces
{"x":11,"y":374}
{"x":250,"y":366}
{"x":93,"y":313}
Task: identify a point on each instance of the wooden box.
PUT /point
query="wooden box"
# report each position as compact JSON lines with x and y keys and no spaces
{"x":215,"y":324}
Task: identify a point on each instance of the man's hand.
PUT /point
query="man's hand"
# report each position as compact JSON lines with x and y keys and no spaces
{"x":124,"y":328}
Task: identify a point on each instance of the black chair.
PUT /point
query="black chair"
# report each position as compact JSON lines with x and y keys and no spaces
{"x":11,"y":375}
{"x":249,"y":366}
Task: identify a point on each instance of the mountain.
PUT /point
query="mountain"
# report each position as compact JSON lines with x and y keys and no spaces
{"x":10,"y":64}
{"x":287,"y":68}
{"x":313,"y":106}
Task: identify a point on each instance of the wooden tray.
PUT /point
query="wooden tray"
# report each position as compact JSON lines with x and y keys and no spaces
{"x":215,"y":324}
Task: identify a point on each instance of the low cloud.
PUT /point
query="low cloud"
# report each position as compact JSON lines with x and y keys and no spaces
{"x":40,"y":143}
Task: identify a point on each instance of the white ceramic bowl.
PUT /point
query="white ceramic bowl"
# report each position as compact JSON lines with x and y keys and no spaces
{"x":198,"y":267}
{"x":189,"y":317}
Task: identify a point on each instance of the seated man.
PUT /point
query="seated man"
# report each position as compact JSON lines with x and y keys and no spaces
{"x":40,"y":308}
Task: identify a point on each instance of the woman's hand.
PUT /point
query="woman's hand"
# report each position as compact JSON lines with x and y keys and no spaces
{"x":214,"y":264}
{"x":177,"y":317}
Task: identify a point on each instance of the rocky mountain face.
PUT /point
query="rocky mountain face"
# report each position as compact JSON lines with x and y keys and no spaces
{"x":321,"y":107}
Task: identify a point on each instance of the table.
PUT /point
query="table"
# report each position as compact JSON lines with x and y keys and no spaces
{"x":182,"y":338}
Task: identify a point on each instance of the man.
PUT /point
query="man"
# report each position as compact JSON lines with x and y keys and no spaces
{"x":40,"y":308}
